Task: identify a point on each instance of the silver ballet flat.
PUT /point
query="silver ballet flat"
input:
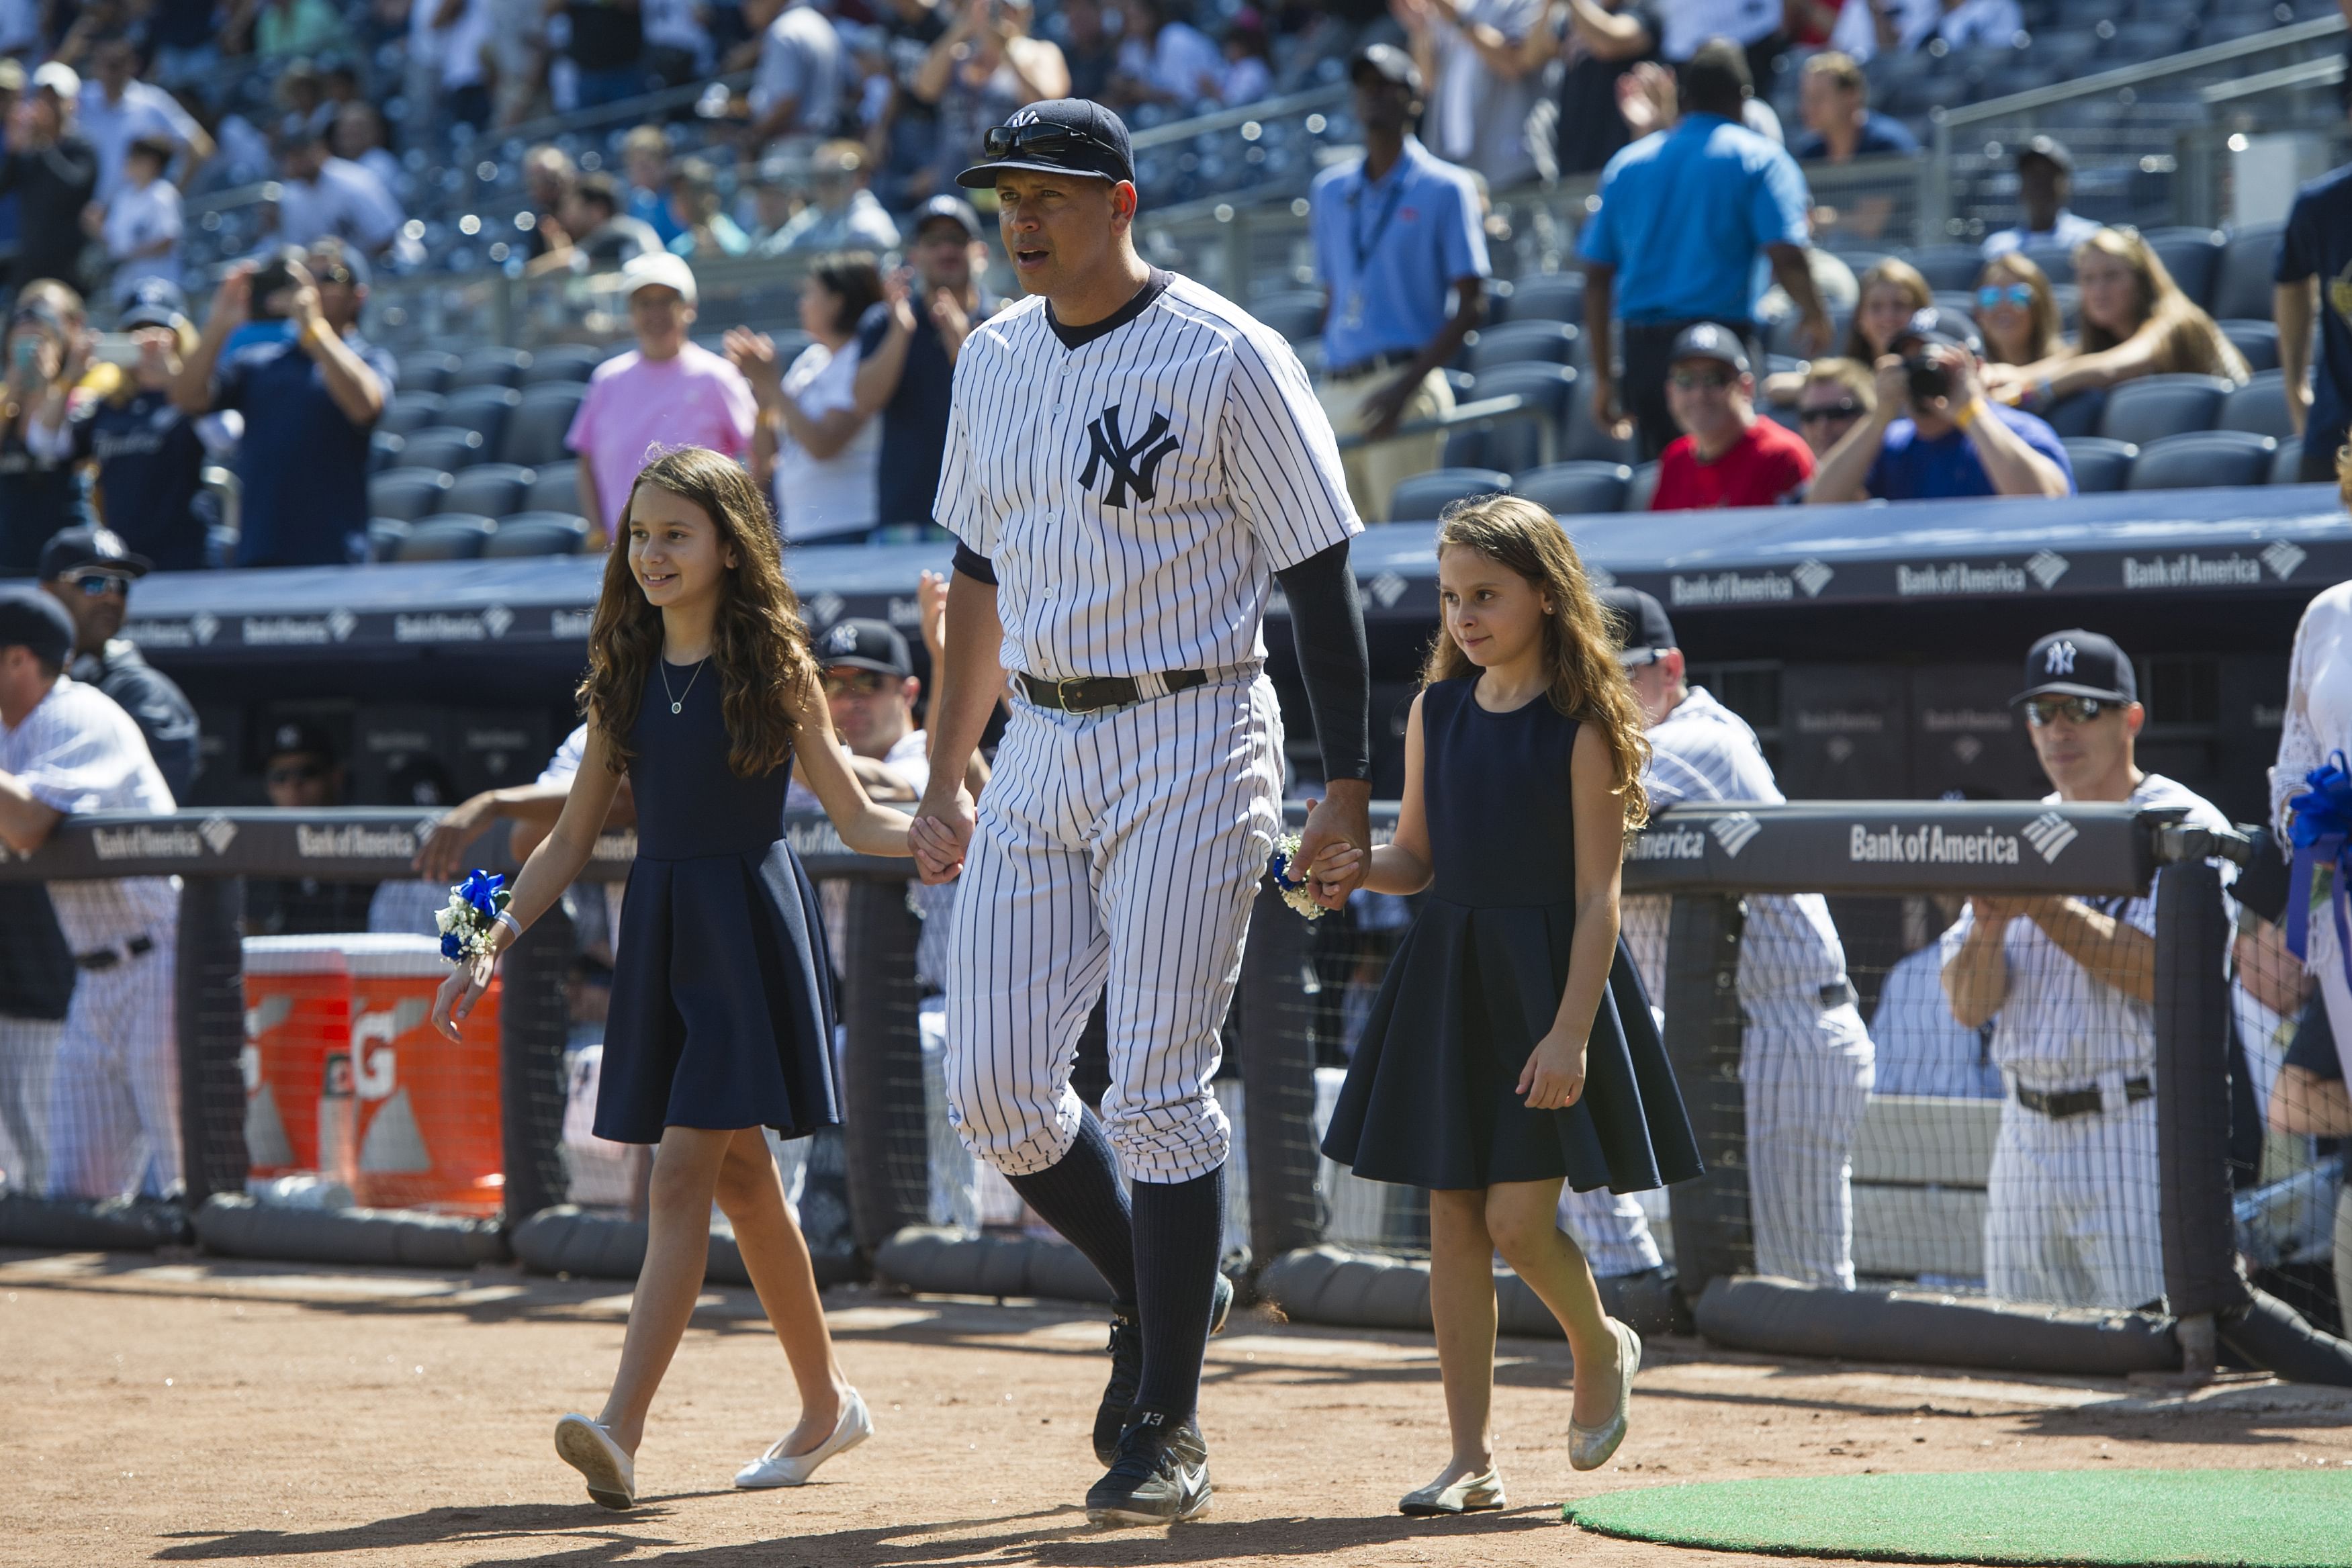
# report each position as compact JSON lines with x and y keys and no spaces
{"x":1470,"y":1494}
{"x":1588,"y":1447}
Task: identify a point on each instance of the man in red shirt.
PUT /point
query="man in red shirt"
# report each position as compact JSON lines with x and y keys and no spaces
{"x":1727,"y":457}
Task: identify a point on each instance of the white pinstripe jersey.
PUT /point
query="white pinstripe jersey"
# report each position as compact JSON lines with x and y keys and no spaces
{"x":77,"y":751}
{"x":1136,"y":484}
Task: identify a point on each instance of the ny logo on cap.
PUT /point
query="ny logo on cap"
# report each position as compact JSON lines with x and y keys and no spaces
{"x":842,"y":639}
{"x":1134,"y":467}
{"x":1025,"y":117}
{"x":2059,"y":660}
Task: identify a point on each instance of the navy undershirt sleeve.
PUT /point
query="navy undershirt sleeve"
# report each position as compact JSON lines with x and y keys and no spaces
{"x":974,"y":565}
{"x":1326,"y":622}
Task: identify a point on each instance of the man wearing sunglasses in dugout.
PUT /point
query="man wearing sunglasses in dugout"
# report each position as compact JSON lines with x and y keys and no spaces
{"x":2069,"y":986}
{"x":90,"y":571}
{"x":302,"y":773}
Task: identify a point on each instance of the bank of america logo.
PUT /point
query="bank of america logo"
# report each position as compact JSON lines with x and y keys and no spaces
{"x":2283,"y":558}
{"x":1735,"y":832}
{"x":2049,"y":833}
{"x":1812,"y":577}
{"x":497,"y":618}
{"x":827,"y":608}
{"x":1388,"y":587}
{"x":340,"y":624}
{"x":218,"y":833}
{"x":2046,"y":567}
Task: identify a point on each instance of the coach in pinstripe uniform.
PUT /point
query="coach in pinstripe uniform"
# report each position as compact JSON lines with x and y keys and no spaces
{"x":1132,"y":462}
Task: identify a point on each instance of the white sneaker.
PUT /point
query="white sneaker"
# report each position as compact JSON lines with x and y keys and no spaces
{"x":587,"y":1448}
{"x":776,"y":1468}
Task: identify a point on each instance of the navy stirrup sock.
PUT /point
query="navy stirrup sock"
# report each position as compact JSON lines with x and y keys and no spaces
{"x":1179,"y":1230}
{"x":1079,"y":1195}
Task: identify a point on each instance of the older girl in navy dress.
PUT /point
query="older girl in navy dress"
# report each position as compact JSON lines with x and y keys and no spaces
{"x":1511,"y":1048}
{"x":701,"y":687}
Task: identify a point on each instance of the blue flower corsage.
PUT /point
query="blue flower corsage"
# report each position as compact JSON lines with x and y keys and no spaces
{"x":1300,"y":894}
{"x":471,"y":915}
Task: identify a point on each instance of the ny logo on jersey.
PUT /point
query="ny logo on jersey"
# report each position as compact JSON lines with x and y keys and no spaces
{"x":1129,"y":467}
{"x":2059,"y":660}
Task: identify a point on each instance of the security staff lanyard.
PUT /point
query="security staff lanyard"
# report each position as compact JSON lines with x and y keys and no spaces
{"x":1353,"y":317}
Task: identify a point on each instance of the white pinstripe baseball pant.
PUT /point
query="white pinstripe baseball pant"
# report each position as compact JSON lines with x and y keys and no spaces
{"x":1127,"y":844}
{"x":114,"y":1103}
{"x":1806,"y":1071}
{"x":1610,"y":1229}
{"x":2072,"y":1206}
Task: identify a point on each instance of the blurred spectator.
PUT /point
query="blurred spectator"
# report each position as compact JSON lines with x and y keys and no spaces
{"x":907,"y":352}
{"x":310,"y":388}
{"x":843,"y":215}
{"x":1474,"y":56}
{"x":705,"y":231}
{"x":90,"y":571}
{"x":1974,"y":25}
{"x":669,"y":392}
{"x":1599,"y":41}
{"x":1886,"y":299}
{"x":645,"y":160}
{"x":140,"y":225}
{"x":284,"y":29}
{"x":1682,"y":219}
{"x":796,"y":87}
{"x":2045,"y":178}
{"x":1837,"y":392}
{"x":594,"y":232}
{"x":1834,"y":102}
{"x":12,"y":89}
{"x":53,"y":170}
{"x":549,"y":177}
{"x":302,"y":772}
{"x":49,"y":348}
{"x":1249,"y":60}
{"x":1954,"y":442}
{"x":607,"y":50}
{"x":2314,"y":253}
{"x":1089,"y":50}
{"x":150,"y":459}
{"x":2069,"y":988}
{"x":21,"y":30}
{"x":813,"y":451}
{"x":358,"y":137}
{"x":321,"y":197}
{"x":1395,"y":233}
{"x":1163,"y":58}
{"x":677,"y":42}
{"x":517,"y":50}
{"x":1726,"y":456}
{"x":117,"y":109}
{"x":185,"y":38}
{"x":981,"y":70}
{"x":2017,"y":312}
{"x":1754,"y":26}
{"x":1866,"y":29}
{"x":446,"y":41}
{"x":1922,"y":1048}
{"x":2136,"y":323}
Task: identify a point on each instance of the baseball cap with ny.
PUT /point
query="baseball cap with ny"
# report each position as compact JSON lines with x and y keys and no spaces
{"x":1058,"y":136}
{"x":2078,"y":664}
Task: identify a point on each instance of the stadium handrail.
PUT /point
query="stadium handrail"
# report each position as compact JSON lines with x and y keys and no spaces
{"x":2011,"y":105}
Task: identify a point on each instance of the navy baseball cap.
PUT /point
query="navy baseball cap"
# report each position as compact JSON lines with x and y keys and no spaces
{"x":1643,"y":631}
{"x":865,"y":645}
{"x":154,"y":302}
{"x":298,"y":736}
{"x":1705,"y":340}
{"x":72,"y":551}
{"x":1932,"y":324}
{"x":1060,"y":136}
{"x":32,"y":619}
{"x":1389,"y":63}
{"x":955,"y":209}
{"x":2078,"y":664}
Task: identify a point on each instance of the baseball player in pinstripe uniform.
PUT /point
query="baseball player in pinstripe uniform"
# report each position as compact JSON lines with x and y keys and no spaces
{"x":1805,"y":1056}
{"x":114,"y":1101}
{"x":1132,"y":462}
{"x":2069,"y":986}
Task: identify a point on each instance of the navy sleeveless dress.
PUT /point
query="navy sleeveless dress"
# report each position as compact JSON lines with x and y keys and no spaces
{"x":1430,"y":1097}
{"x":723,"y":1005}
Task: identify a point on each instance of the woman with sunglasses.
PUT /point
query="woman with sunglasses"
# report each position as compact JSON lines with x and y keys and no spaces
{"x":2136,"y":323}
{"x":2018,"y":311}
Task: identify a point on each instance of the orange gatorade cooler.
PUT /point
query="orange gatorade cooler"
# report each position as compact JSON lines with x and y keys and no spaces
{"x":425,"y":1111}
{"x":297,"y":1014}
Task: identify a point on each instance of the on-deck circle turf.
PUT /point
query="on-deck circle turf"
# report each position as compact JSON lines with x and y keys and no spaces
{"x":2100,"y":1519}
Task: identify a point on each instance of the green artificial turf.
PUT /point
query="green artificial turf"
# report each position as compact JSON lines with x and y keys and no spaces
{"x":2110,"y":1519}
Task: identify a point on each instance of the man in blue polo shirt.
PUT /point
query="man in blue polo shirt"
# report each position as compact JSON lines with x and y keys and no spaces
{"x":2313,"y":279}
{"x":1935,"y":435}
{"x":1683,"y":215}
{"x":1395,"y":233}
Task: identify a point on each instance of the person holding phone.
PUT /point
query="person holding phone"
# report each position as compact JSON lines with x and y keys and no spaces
{"x":150,"y":459}
{"x":1934,"y":434}
{"x":47,"y":348}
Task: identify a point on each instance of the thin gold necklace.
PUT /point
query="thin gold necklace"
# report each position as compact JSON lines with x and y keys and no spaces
{"x":678,"y":699}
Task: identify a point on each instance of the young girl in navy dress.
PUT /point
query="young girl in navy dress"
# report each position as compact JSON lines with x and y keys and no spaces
{"x":700,"y":685}
{"x":1511,"y":1048}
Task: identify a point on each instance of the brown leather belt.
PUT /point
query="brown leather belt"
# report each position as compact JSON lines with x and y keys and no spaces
{"x":1092,"y":694}
{"x":2069,"y":1102}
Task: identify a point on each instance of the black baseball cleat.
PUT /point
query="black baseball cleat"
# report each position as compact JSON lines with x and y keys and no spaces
{"x":1159,"y":1475}
{"x":1126,"y":1368}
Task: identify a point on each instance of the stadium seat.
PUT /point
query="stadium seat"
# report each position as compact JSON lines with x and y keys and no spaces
{"x":492,"y":490}
{"x":1468,"y":447}
{"x":2154,"y":407}
{"x":2056,"y":262}
{"x":2242,"y":284}
{"x":452,"y":536}
{"x":1544,"y":296}
{"x":1524,"y":342}
{"x":410,"y":411}
{"x":383,"y":451}
{"x":1518,"y":444}
{"x":561,"y":363}
{"x":384,"y":536}
{"x":485,"y":408}
{"x":449,"y":447}
{"x":2100,"y":465}
{"x":2192,"y":256}
{"x":1951,"y":267}
{"x":557,"y":488}
{"x":2260,"y":406}
{"x":2204,"y":459}
{"x":1297,"y":314}
{"x":2258,"y":341}
{"x":538,"y":533}
{"x":1586,"y":440}
{"x":535,"y":430}
{"x":405,"y":495}
{"x":1420,"y":498}
{"x":1645,"y":486}
{"x":427,"y":370}
{"x":1576,"y":489}
{"x":2078,"y":413}
{"x":2286,"y":467}
{"x":493,"y":365}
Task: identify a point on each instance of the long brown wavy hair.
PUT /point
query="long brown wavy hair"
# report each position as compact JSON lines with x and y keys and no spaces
{"x":1588,"y":684}
{"x":760,"y":640}
{"x":2186,"y":340}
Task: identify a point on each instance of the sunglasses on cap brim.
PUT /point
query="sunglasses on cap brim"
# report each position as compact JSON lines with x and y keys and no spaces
{"x":1005,"y":140}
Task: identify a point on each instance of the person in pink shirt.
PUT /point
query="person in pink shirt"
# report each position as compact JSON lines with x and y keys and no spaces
{"x":671,"y":392}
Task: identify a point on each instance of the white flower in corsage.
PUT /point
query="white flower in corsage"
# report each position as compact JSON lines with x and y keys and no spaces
{"x":472,"y":914}
{"x":1300,"y":893}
